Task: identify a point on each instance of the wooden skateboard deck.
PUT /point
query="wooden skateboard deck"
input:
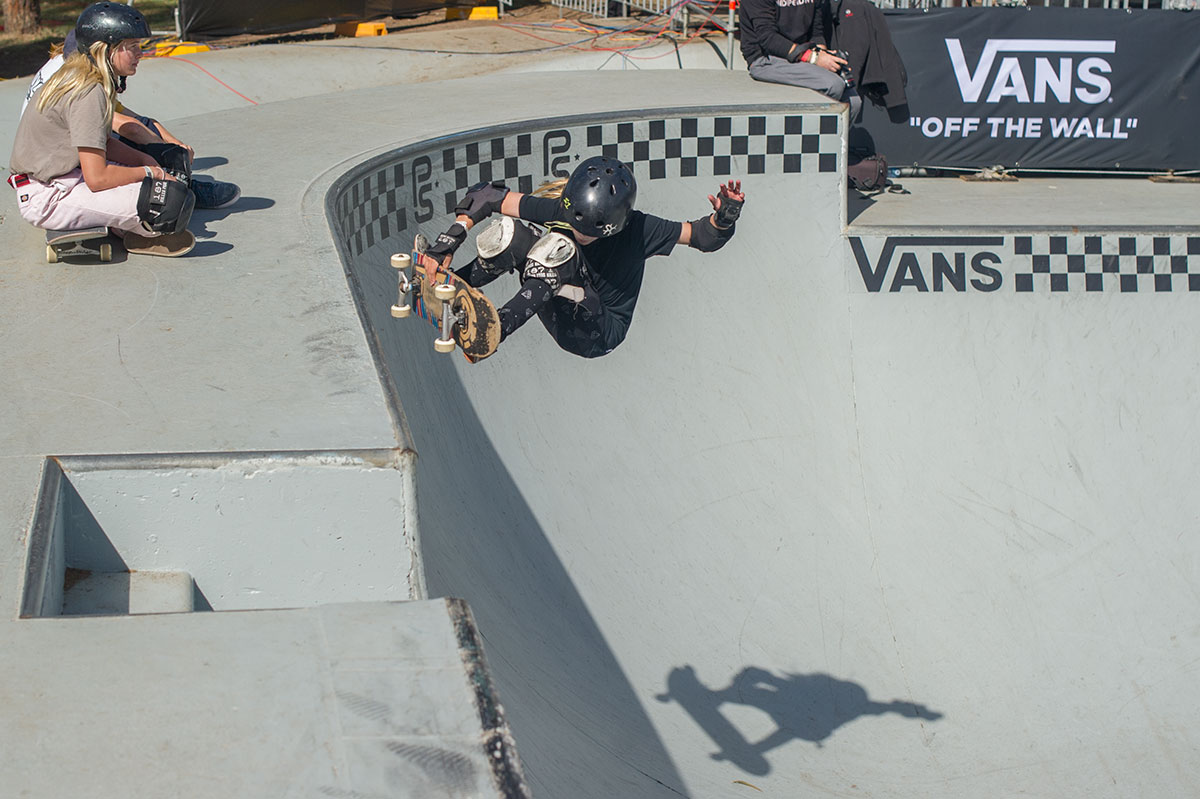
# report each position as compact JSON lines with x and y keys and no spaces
{"x":90,"y":242}
{"x":475,"y":324}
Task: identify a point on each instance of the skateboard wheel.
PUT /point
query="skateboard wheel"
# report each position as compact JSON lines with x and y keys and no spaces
{"x":444,"y":292}
{"x":401,"y":311}
{"x":401,"y":260}
{"x":105,"y":252}
{"x":442,"y":345}
{"x":51,"y":255}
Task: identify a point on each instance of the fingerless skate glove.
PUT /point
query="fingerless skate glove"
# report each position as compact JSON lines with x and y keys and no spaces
{"x":481,"y":201}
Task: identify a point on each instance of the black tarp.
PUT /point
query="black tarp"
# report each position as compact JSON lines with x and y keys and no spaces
{"x":1046,"y":88}
{"x":206,"y":18}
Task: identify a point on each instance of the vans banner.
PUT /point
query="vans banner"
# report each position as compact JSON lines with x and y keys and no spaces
{"x":1045,"y":88}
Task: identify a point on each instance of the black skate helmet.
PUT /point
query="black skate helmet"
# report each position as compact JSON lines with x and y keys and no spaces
{"x":599,"y":196}
{"x":111,"y":23}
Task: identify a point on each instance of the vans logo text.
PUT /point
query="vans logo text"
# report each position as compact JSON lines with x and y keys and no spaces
{"x":956,"y":264}
{"x":1054,"y":75}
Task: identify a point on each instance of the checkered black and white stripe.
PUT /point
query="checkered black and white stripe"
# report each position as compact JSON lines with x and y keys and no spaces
{"x":422,"y":184}
{"x":1109,"y":262}
{"x":673,"y":148}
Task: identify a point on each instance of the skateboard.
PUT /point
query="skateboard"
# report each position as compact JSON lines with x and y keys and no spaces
{"x":463,"y":314}
{"x":88,"y":241}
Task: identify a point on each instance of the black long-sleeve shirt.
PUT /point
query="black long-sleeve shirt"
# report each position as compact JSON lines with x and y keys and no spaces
{"x":771,"y":27}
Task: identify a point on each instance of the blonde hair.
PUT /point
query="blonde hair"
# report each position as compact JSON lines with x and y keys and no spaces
{"x":552,"y":189}
{"x":79,"y":72}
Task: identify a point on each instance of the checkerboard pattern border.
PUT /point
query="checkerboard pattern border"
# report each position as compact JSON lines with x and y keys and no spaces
{"x":1113,"y":262}
{"x":422,"y":185}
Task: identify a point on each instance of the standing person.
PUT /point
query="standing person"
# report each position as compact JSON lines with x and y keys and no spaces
{"x":785,"y":41}
{"x":68,"y":169}
{"x":145,"y":134}
{"x":583,"y":276}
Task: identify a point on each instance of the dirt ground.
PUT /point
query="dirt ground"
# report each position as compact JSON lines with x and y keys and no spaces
{"x":524,"y":12}
{"x":25,"y":57}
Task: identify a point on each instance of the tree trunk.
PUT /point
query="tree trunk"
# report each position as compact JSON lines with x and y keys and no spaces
{"x":22,"y":16}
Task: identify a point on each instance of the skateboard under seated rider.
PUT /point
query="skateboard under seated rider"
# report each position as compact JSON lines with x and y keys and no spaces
{"x":582,"y":276}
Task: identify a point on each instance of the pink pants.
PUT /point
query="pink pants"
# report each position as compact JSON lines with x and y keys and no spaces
{"x":66,"y":203}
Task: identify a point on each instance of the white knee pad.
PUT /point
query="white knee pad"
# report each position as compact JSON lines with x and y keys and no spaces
{"x":496,"y":237}
{"x":503,"y":245}
{"x":553,"y":259}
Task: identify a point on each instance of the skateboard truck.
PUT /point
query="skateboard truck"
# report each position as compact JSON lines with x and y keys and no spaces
{"x":89,"y":241}
{"x":403,"y":307}
{"x":445,"y":292}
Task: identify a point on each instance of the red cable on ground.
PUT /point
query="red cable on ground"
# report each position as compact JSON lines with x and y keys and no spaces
{"x":214,"y":77}
{"x":543,"y":38}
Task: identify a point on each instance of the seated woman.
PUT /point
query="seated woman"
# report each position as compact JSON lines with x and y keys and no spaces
{"x":146,"y":134}
{"x":582,"y":278}
{"x":68,"y":169}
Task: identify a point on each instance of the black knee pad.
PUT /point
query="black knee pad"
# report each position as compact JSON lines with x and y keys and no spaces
{"x":170,"y":157}
{"x":504,"y":245}
{"x":165,"y":206}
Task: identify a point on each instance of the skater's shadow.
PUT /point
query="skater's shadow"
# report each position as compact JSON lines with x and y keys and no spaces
{"x":808,"y":707}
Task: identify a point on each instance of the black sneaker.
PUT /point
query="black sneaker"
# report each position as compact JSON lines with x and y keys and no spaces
{"x":212,"y":194}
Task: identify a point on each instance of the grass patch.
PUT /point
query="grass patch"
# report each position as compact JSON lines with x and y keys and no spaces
{"x":22,"y":55}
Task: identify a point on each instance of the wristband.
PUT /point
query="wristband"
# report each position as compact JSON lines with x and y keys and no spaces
{"x":447,"y":243}
{"x":707,"y":237}
{"x":149,"y":173}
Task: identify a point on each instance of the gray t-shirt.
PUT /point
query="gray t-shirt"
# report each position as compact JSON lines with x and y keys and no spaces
{"x":47,"y":144}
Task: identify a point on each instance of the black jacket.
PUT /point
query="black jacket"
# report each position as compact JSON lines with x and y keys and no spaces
{"x":860,"y":29}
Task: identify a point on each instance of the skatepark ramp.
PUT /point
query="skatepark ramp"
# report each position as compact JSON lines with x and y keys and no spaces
{"x":852,"y":511}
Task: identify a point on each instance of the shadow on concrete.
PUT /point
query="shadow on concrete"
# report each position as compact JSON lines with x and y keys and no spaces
{"x":201,"y":218}
{"x":207,"y":248}
{"x":243,"y":204}
{"x":806,"y":707}
{"x":202,"y":162}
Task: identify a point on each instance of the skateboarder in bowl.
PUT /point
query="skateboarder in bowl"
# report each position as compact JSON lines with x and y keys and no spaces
{"x":583,"y":275}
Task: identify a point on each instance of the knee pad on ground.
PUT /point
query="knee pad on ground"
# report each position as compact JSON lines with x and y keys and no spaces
{"x":554,"y":258}
{"x":504,"y":245}
{"x":165,"y":206}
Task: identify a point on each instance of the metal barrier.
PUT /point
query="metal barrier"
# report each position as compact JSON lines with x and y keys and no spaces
{"x":683,"y":11}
